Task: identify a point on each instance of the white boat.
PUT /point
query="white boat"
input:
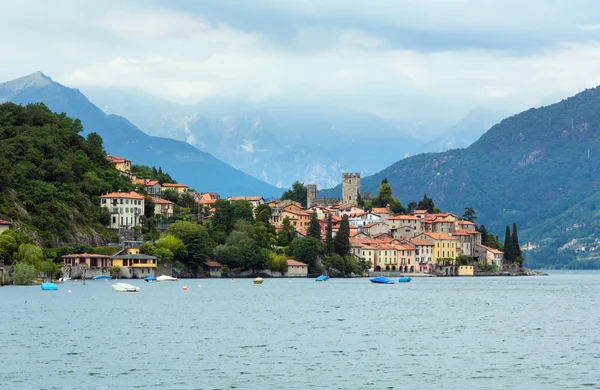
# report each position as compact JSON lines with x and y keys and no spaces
{"x":124,"y":287}
{"x":63,"y":280}
{"x":165,"y":278}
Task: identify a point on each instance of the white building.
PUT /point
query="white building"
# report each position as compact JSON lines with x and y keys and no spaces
{"x":363,"y":218}
{"x":297,"y":269}
{"x":125,"y":208}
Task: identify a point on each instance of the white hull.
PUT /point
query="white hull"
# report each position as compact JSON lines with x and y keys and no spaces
{"x":124,"y":287}
{"x":165,"y":278}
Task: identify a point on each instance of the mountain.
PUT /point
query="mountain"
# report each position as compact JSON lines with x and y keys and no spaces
{"x":275,"y":142}
{"x":198,"y":169}
{"x":539,"y":168}
{"x":466,"y":131}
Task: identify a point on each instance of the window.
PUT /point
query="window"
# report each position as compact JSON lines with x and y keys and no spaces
{"x":103,"y":201}
{"x":126,"y":209}
{"x":114,"y":219}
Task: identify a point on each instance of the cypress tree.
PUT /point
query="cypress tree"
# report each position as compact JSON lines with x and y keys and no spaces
{"x":314,"y":229}
{"x":329,"y":236}
{"x":515,"y":241}
{"x":484,"y":234}
{"x":509,"y":254}
{"x":341,"y":243}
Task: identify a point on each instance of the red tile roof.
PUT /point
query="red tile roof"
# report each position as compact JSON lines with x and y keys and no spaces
{"x":440,"y":236}
{"x":248,"y":198}
{"x":213,"y":264}
{"x":405,"y":218}
{"x":174,"y":185}
{"x":124,"y":195}
{"x":466,"y":223}
{"x":161,"y":201}
{"x":3,"y":222}
{"x":296,"y":263}
{"x":420,"y":242}
{"x":86,"y":255}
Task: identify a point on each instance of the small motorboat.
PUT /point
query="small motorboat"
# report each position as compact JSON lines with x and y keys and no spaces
{"x":258,"y":280}
{"x":404,"y":279}
{"x":165,"y":278}
{"x":381,"y":280}
{"x":124,"y":287}
{"x":47,"y":286}
{"x":322,"y":278}
{"x":102,"y":277}
{"x":150,"y":279}
{"x":63,"y":280}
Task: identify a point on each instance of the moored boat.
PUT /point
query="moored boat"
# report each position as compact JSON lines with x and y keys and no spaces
{"x":102,"y":277}
{"x":165,"y":278}
{"x":125,"y":287}
{"x":258,"y":280}
{"x":381,"y":280}
{"x":150,"y":279}
{"x":404,"y":279}
{"x":322,"y":278}
{"x":47,"y":286}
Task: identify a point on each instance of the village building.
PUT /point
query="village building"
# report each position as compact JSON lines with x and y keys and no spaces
{"x":297,"y":269}
{"x":489,"y":255}
{"x":465,"y":225}
{"x":420,"y":213}
{"x":444,"y":249}
{"x":152,"y":187}
{"x":86,"y":265}
{"x":423,"y":254}
{"x":163,"y":207}
{"x":213,"y":268}
{"x":180,"y":188}
{"x":254,"y":200}
{"x":404,"y":226}
{"x":362,"y":218}
{"x":4,"y":225}
{"x":466,"y":270}
{"x":373,"y":229}
{"x":383,"y":212}
{"x":122,"y":165}
{"x":135,"y":265}
{"x":125,"y":209}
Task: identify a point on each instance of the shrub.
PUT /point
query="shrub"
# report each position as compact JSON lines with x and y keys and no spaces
{"x":24,"y":274}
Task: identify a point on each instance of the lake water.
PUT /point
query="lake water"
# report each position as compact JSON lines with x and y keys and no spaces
{"x":432,"y":333}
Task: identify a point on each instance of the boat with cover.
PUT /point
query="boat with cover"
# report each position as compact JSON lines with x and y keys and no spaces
{"x":124,"y":287}
{"x":322,"y":278}
{"x":150,"y":279}
{"x":404,"y":279}
{"x":258,"y":280}
{"x":165,"y":278}
{"x":381,"y":280}
{"x":47,"y":286}
{"x":102,"y":277}
{"x":63,"y":280}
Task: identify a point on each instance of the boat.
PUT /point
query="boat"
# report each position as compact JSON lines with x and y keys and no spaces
{"x":150,"y":279}
{"x":404,"y":279}
{"x":381,"y":280}
{"x":258,"y":280}
{"x":124,"y":287}
{"x":63,"y":280}
{"x":322,"y":278}
{"x":49,"y":286}
{"x":165,"y":278}
{"x":102,"y":277}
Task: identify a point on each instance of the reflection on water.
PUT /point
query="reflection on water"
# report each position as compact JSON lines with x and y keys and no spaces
{"x":460,"y":333}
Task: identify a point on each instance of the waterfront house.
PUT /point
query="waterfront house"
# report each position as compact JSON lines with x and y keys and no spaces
{"x":490,"y":255}
{"x":423,"y":254}
{"x":86,"y":265}
{"x":125,"y":209}
{"x":444,"y":249}
{"x":466,"y":270}
{"x":180,"y":188}
{"x":4,"y":225}
{"x":135,"y":265}
{"x":152,"y":187}
{"x":406,"y":257}
{"x":213,"y":268}
{"x":163,"y":206}
{"x":297,"y":269}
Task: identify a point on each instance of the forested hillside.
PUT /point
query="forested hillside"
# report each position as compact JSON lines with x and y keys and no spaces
{"x":51,"y":176}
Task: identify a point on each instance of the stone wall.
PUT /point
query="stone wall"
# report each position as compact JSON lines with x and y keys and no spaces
{"x":350,"y":187}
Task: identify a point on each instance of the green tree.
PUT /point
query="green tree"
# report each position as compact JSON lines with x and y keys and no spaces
{"x":8,"y":248}
{"x":148,"y":248}
{"x":31,"y":254}
{"x":484,"y":234}
{"x":242,"y":209}
{"x":223,"y":218}
{"x":163,"y":256}
{"x":278,"y":263}
{"x":287,"y":233}
{"x":384,"y":198}
{"x":149,"y":207}
{"x":49,"y":268}
{"x":175,"y":245}
{"x":469,"y":214}
{"x":265,"y":236}
{"x":24,"y":274}
{"x":411,"y":207}
{"x":516,"y":248}
{"x":341,"y":242}
{"x":297,"y":193}
{"x":509,"y":254}
{"x":198,"y":245}
{"x":329,"y":236}
{"x":314,"y":228}
{"x":359,"y":200}
{"x":171,"y":195}
{"x":307,"y":250}
{"x":180,"y":228}
{"x":426,"y":204}
{"x":83,"y":247}
{"x":263,"y":213}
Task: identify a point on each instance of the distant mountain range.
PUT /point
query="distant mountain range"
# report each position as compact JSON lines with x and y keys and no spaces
{"x":280,"y":143}
{"x":196,"y":168}
{"x":540,"y":168}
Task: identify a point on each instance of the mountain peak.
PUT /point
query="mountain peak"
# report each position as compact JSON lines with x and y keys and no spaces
{"x":33,"y":80}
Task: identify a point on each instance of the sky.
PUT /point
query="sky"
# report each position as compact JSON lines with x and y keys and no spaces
{"x":396,"y":58}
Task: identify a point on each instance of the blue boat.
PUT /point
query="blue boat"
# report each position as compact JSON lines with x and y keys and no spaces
{"x":381,"y":280}
{"x":49,"y":286}
{"x":101,"y":277}
{"x":404,"y":279}
{"x":150,"y":279}
{"x":322,"y":278}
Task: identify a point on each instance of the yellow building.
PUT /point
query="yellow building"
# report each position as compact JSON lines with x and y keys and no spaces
{"x":134,"y":264}
{"x":444,"y":246}
{"x":466,"y":270}
{"x":122,"y":164}
{"x":181,"y":188}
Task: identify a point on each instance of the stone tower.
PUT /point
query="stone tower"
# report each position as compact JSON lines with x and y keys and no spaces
{"x":311,"y":195}
{"x":350,"y":187}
